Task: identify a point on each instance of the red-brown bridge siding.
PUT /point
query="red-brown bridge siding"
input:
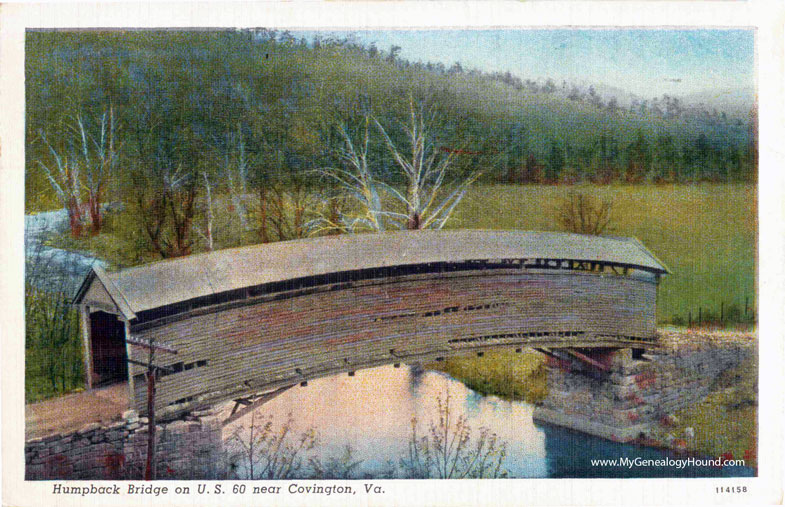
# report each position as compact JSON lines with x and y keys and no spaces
{"x":246,"y":347}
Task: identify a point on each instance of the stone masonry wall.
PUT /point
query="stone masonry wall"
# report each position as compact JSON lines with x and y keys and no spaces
{"x":189,"y":448}
{"x":629,"y":400}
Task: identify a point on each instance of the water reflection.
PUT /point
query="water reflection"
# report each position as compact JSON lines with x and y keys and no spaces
{"x":373,"y":410}
{"x":372,"y":413}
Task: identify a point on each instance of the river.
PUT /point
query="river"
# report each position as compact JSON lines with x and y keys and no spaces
{"x":372,"y":413}
{"x":48,"y":268}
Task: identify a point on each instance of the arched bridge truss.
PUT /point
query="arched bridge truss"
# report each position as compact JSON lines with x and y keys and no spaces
{"x":264,"y":318}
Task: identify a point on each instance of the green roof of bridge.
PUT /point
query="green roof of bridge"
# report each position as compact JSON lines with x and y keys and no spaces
{"x":175,"y":280}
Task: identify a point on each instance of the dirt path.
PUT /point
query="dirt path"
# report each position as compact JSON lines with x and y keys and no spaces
{"x":74,"y":411}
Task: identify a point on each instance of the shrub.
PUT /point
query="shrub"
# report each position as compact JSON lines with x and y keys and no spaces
{"x":448,"y":451}
{"x":583,"y":213}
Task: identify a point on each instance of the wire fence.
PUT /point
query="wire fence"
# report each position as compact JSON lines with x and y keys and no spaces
{"x":738,"y":311}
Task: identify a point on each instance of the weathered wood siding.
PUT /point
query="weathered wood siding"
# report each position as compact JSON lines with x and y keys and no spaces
{"x":266,"y":343}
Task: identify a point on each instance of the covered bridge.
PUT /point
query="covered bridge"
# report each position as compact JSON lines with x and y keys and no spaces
{"x":263,"y":317}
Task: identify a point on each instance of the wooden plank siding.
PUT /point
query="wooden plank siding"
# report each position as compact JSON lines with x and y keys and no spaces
{"x":267,"y":342}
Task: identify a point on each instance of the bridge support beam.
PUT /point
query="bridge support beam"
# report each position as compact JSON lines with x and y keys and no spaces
{"x":252,"y":403}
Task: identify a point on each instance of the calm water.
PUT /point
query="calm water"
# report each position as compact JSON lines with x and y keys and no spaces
{"x":372,"y":413}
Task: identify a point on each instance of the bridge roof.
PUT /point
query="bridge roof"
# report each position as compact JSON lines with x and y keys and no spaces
{"x":175,"y":280}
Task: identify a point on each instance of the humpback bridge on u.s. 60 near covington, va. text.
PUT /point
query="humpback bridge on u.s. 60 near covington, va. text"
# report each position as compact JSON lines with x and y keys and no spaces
{"x":250,"y":322}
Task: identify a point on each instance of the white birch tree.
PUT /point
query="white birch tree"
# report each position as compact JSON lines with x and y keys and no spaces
{"x":82,"y":165}
{"x":427,"y":198}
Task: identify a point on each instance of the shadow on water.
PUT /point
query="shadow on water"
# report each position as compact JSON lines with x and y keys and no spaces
{"x":372,"y":412}
{"x":416,"y":373}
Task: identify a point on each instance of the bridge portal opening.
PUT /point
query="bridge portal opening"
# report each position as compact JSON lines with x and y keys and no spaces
{"x":110,"y":360}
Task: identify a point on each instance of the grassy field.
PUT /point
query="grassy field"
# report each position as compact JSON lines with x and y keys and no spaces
{"x":705,"y":233}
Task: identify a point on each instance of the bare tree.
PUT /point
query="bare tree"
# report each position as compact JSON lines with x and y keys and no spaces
{"x":584,"y":214}
{"x":290,"y":205}
{"x":99,"y":156}
{"x":179,"y":194}
{"x":235,"y":170}
{"x":427,"y":199}
{"x":83,"y":162}
{"x":207,"y":234}
{"x":360,"y":183}
{"x":65,"y":182}
{"x":165,"y":194}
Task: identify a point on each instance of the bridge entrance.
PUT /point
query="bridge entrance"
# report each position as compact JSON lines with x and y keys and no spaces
{"x":109,"y":356}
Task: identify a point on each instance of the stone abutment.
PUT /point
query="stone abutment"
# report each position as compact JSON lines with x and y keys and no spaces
{"x":634,"y":395}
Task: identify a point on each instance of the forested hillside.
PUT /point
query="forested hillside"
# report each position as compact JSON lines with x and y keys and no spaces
{"x":273,"y":103}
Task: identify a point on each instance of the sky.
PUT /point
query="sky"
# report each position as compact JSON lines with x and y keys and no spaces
{"x":644,"y":62}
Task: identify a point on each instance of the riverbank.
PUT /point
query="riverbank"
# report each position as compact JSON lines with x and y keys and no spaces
{"x":358,"y":427}
{"x":504,"y":373}
{"x":722,"y":424}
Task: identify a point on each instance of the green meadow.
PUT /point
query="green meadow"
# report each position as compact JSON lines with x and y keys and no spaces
{"x":705,"y":233}
{"x":502,"y":372}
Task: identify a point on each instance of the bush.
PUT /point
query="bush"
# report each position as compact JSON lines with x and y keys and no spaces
{"x":341,"y":467}
{"x":583,"y":213}
{"x":448,"y":451}
{"x":269,"y":452}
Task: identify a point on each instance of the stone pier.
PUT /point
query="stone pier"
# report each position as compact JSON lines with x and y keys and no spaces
{"x":633,"y":395}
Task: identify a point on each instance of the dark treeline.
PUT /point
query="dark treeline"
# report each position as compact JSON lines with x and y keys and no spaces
{"x":164,"y":116}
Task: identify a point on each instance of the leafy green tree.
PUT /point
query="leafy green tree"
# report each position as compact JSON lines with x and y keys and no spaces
{"x":555,"y":162}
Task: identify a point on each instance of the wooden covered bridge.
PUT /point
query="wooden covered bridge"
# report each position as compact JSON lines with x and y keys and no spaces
{"x":262,"y":318}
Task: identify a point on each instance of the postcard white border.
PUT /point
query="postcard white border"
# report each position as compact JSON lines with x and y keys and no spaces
{"x":768,"y":17}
